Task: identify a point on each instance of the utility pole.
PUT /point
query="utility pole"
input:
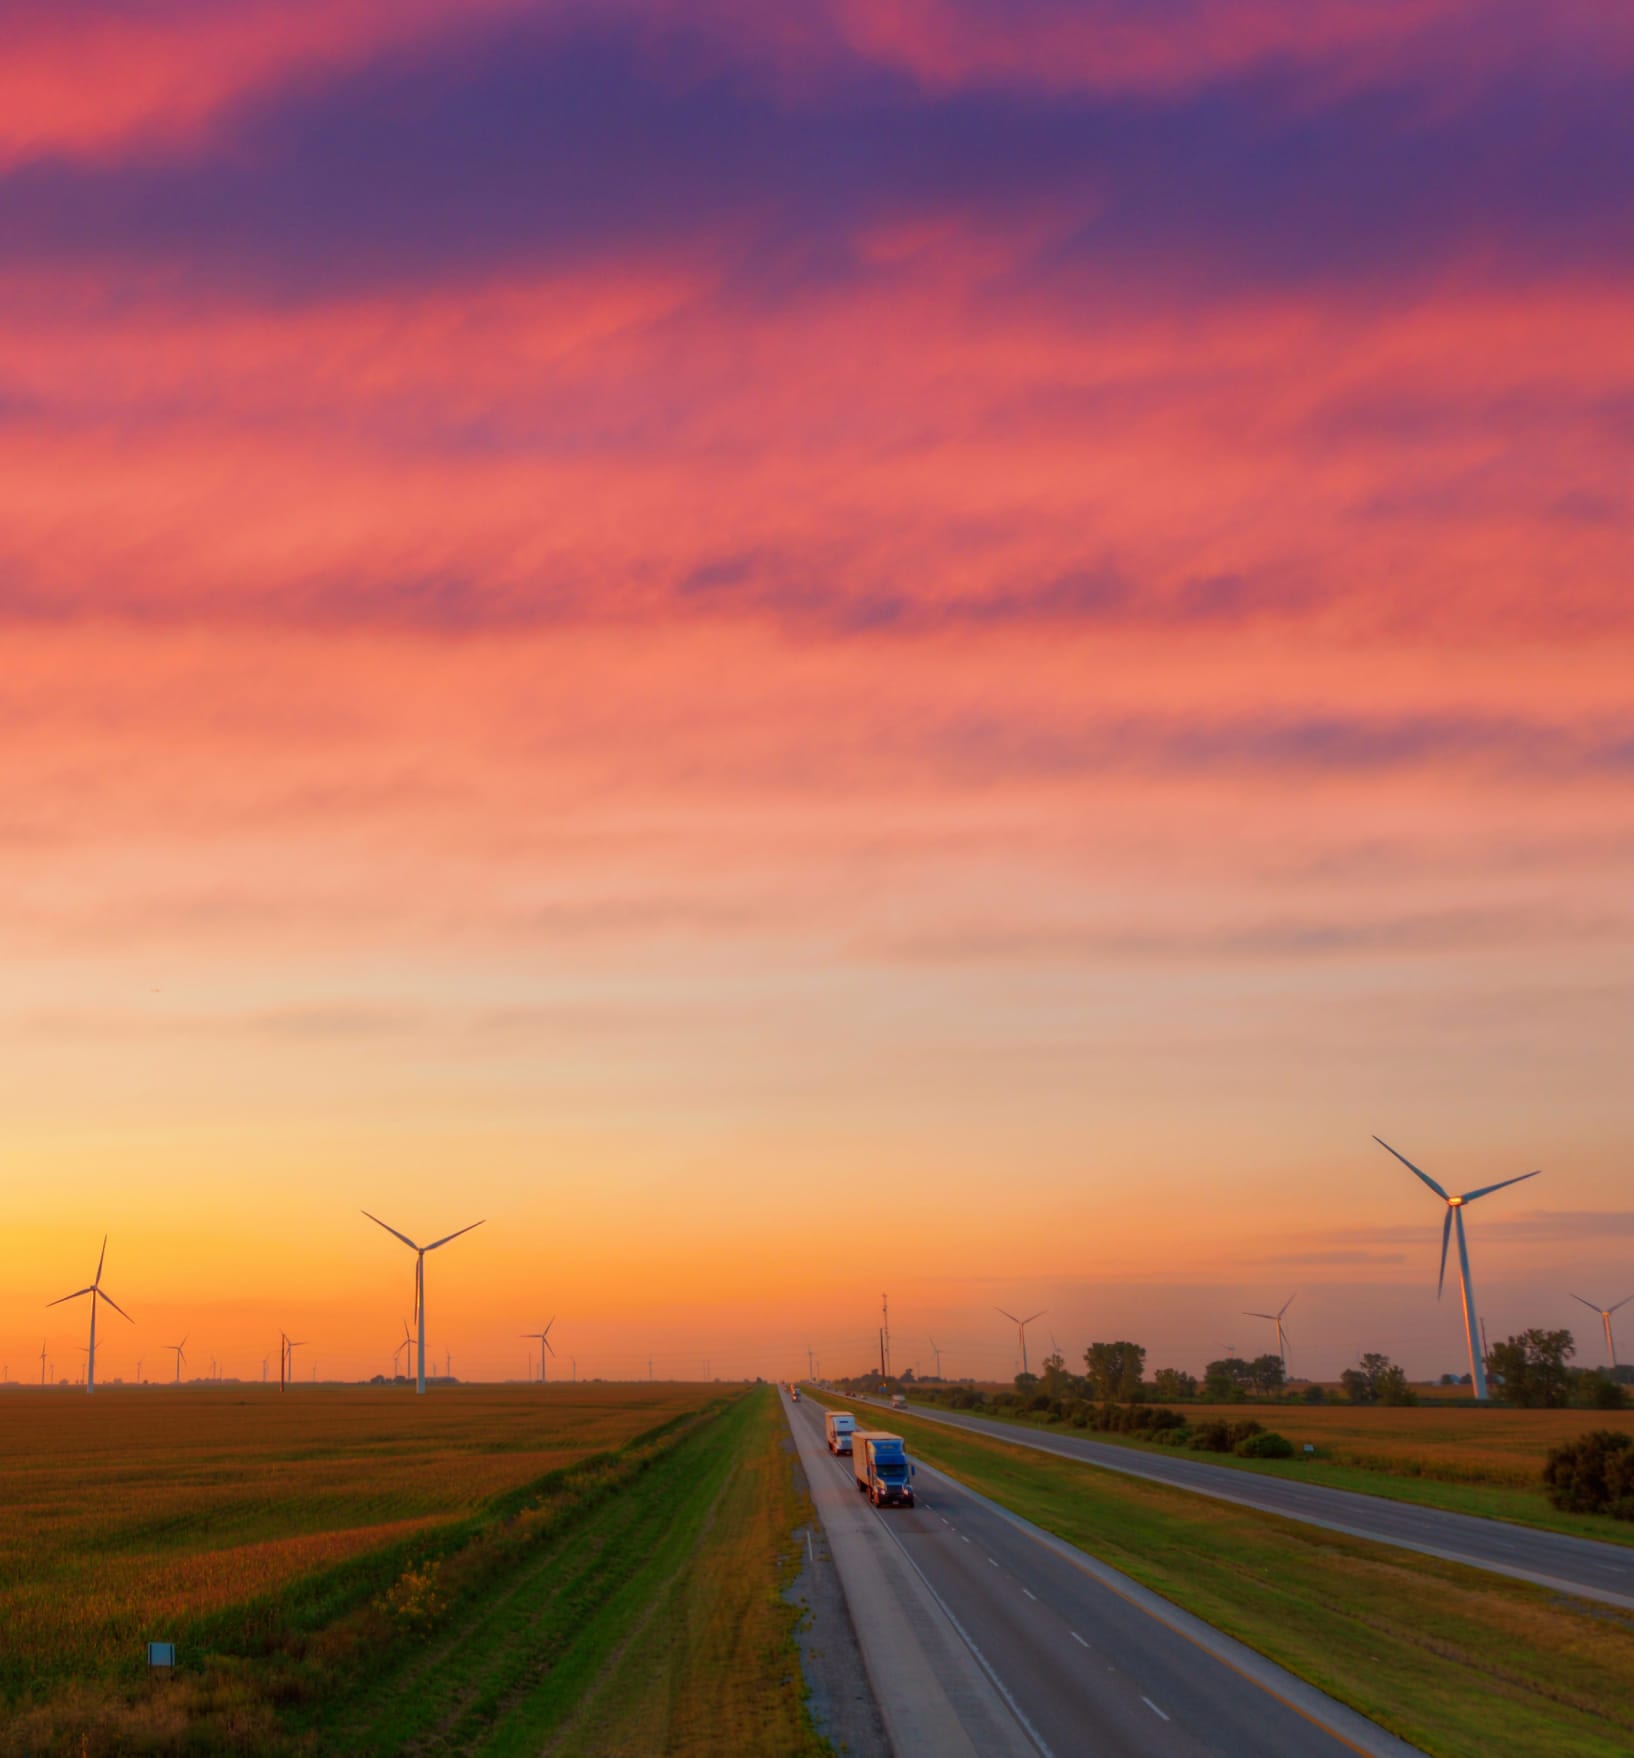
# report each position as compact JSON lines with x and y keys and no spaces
{"x":885,"y":1335}
{"x":811,"y":1371}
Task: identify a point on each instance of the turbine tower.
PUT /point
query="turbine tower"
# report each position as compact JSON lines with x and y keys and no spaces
{"x":544,"y":1344}
{"x":96,"y":1294}
{"x":1276,"y":1319}
{"x":1455,"y":1211}
{"x":1021,"y":1325}
{"x":1605,"y":1313}
{"x":42,"y":1361}
{"x":420,"y":1284}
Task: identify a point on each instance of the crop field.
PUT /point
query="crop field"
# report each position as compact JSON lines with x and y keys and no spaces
{"x":1461,"y":1663}
{"x":256,"y":1528}
{"x":1456,"y":1445}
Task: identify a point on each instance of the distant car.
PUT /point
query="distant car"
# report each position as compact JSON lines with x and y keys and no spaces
{"x":794,"y":1393}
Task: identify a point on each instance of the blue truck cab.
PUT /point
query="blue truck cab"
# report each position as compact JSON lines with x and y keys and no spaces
{"x":883,"y":1470}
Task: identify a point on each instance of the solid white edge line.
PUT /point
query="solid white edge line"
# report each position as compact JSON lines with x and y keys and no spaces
{"x":1153,"y":1707}
{"x":981,"y":1659}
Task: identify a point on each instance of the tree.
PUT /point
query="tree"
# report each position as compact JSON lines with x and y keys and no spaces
{"x":1373,"y":1379}
{"x":1055,"y":1379}
{"x":1116,"y":1370}
{"x":1265,"y":1374}
{"x":1530,"y":1370}
{"x":1170,"y":1382}
{"x":1226,"y":1380}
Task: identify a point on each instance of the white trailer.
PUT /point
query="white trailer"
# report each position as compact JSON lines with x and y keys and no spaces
{"x":838,"y":1426}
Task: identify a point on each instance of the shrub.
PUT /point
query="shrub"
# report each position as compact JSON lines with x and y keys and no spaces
{"x":1593,"y":1475}
{"x":1265,"y":1445}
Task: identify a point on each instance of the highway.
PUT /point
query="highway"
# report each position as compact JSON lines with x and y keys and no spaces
{"x":1587,"y":1567}
{"x":1086,"y":1661}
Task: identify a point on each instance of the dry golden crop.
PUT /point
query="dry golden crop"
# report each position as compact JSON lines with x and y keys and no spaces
{"x":123,"y":1515}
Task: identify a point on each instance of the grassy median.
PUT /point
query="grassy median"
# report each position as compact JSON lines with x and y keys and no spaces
{"x":1461,"y":1663}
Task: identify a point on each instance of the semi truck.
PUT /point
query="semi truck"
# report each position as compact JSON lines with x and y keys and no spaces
{"x":837,"y":1425}
{"x":880,"y":1463}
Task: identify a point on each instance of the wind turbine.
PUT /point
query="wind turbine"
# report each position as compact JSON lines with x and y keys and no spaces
{"x":420,"y":1285}
{"x":404,"y":1348}
{"x":42,"y":1361}
{"x":544,"y":1344}
{"x":96,"y":1294}
{"x":1021,"y":1325}
{"x":1276,"y":1319}
{"x":291,"y":1344}
{"x":938,"y":1354}
{"x":178,"y":1349}
{"x":1605,"y":1313}
{"x":1455,"y":1210}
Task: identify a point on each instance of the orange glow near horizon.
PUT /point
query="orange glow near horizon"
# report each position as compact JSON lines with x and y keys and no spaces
{"x":953,"y":666}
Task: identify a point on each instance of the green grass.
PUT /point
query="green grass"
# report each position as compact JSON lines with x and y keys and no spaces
{"x":1520,"y":1506}
{"x":1461,"y":1663}
{"x":654,"y":1624}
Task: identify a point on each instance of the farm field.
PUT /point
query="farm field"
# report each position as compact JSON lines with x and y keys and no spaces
{"x":1467,"y":1459}
{"x":269,"y":1534}
{"x":1463,"y":1664}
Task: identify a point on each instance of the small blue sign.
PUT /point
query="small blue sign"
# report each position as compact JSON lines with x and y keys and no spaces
{"x":162,"y":1654}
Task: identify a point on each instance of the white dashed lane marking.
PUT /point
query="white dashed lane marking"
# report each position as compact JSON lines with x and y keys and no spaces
{"x":1153,"y":1707}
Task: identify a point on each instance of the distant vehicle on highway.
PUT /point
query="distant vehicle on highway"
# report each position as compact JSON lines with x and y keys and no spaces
{"x":794,"y":1393}
{"x":880,"y":1464}
{"x":897,"y":1400}
{"x":837,"y":1425}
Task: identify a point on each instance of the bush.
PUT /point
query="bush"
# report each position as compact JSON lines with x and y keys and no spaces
{"x":1219,"y":1435}
{"x":1265,"y":1445}
{"x":1593,"y":1475}
{"x":1174,"y":1437}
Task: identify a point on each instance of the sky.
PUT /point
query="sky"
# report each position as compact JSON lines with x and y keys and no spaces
{"x":913,"y":646}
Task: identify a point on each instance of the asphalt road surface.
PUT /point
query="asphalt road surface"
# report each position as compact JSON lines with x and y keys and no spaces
{"x":1587,"y":1567}
{"x":1086,"y":1661}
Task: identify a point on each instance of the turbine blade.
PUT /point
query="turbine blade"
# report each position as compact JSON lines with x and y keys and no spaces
{"x":1623,"y":1302}
{"x":74,"y":1296}
{"x":100,"y":1261}
{"x":552,"y":1322}
{"x":117,"y":1307}
{"x":548,"y":1344}
{"x":1412,"y":1168}
{"x":1446,"y":1239}
{"x":1487,"y":1189}
{"x":391,"y":1230}
{"x":1009,"y":1315}
{"x":1287,"y":1303}
{"x":1037,"y":1315}
{"x":1270,"y":1315}
{"x":1590,"y":1304}
{"x":447,"y":1236}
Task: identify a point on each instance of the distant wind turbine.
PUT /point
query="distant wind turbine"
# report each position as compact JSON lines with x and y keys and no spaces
{"x":1276,"y":1319}
{"x":291,"y":1344}
{"x":1021,"y":1325}
{"x":420,"y":1284}
{"x":405,"y":1348}
{"x":1605,"y":1313}
{"x":1455,"y":1211}
{"x":938,"y":1354}
{"x":42,"y":1361}
{"x":544,"y":1344}
{"x":178,"y":1350}
{"x":96,"y":1293}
